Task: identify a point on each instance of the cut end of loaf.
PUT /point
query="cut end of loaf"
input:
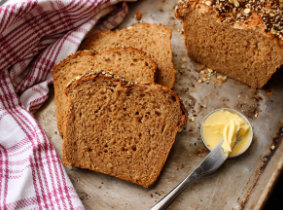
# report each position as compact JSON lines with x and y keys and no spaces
{"x":244,"y":52}
{"x":97,"y":73}
{"x":121,"y":130}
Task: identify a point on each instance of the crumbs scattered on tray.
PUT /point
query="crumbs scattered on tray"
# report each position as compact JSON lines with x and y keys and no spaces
{"x":83,"y":196}
{"x":190,"y":104}
{"x":201,"y":151}
{"x":194,"y":111}
{"x":181,"y":167}
{"x":268,"y":93}
{"x":206,"y":75}
{"x":249,"y":104}
{"x":183,"y":67}
{"x":181,"y":31}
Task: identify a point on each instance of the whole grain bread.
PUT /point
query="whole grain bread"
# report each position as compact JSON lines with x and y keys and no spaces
{"x":242,"y":39}
{"x":153,"y":39}
{"x":130,"y":63}
{"x":120,"y":129}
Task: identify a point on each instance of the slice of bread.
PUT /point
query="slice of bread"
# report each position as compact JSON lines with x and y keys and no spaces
{"x":153,"y":39}
{"x":120,"y":129}
{"x":241,"y":39}
{"x":130,"y":63}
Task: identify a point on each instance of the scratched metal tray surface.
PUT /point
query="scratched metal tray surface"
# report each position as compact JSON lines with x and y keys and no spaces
{"x":242,"y":183}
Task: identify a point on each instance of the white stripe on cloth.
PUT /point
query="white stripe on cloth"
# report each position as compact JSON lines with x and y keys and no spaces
{"x":35,"y":35}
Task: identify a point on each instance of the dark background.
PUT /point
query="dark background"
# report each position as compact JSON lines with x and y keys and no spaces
{"x":275,"y":201}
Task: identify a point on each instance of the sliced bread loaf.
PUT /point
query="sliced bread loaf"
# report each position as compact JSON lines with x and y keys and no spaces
{"x":153,"y":39}
{"x":242,"y":39}
{"x":129,"y":63}
{"x":123,"y":130}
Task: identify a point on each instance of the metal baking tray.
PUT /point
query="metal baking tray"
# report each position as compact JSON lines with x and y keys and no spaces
{"x":242,"y":183}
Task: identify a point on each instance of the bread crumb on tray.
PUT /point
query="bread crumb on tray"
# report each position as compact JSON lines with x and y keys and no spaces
{"x":138,"y":15}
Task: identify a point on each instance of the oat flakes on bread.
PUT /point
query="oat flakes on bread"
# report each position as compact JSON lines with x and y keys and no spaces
{"x":153,"y":39}
{"x":240,"y":38}
{"x":120,"y":129}
{"x":130,"y":63}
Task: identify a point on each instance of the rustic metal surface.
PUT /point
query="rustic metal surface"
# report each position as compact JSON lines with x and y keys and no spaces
{"x":242,"y":183}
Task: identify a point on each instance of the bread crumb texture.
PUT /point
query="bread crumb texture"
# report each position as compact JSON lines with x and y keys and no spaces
{"x":121,"y":130}
{"x":130,"y":63}
{"x":153,"y":39}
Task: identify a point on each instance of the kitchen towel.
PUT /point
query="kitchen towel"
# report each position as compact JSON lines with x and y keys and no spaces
{"x":35,"y":35}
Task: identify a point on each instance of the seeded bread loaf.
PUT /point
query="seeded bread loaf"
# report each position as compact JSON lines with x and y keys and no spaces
{"x":240,"y":38}
{"x":130,"y":63}
{"x":153,"y":39}
{"x":120,"y":129}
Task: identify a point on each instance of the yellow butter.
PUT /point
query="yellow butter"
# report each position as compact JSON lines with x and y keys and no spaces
{"x":228,"y":126}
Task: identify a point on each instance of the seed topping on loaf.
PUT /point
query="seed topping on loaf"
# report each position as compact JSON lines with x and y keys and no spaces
{"x":271,"y":12}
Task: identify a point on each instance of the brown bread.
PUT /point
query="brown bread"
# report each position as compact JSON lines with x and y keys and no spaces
{"x":239,"y":38}
{"x":153,"y":39}
{"x":129,"y":63}
{"x":120,"y":129}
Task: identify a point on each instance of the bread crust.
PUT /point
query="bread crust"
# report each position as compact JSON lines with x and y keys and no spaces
{"x":86,"y":43}
{"x":123,"y":83}
{"x":90,"y":52}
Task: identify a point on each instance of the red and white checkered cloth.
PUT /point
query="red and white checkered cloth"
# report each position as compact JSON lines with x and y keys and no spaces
{"x":34,"y":36}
